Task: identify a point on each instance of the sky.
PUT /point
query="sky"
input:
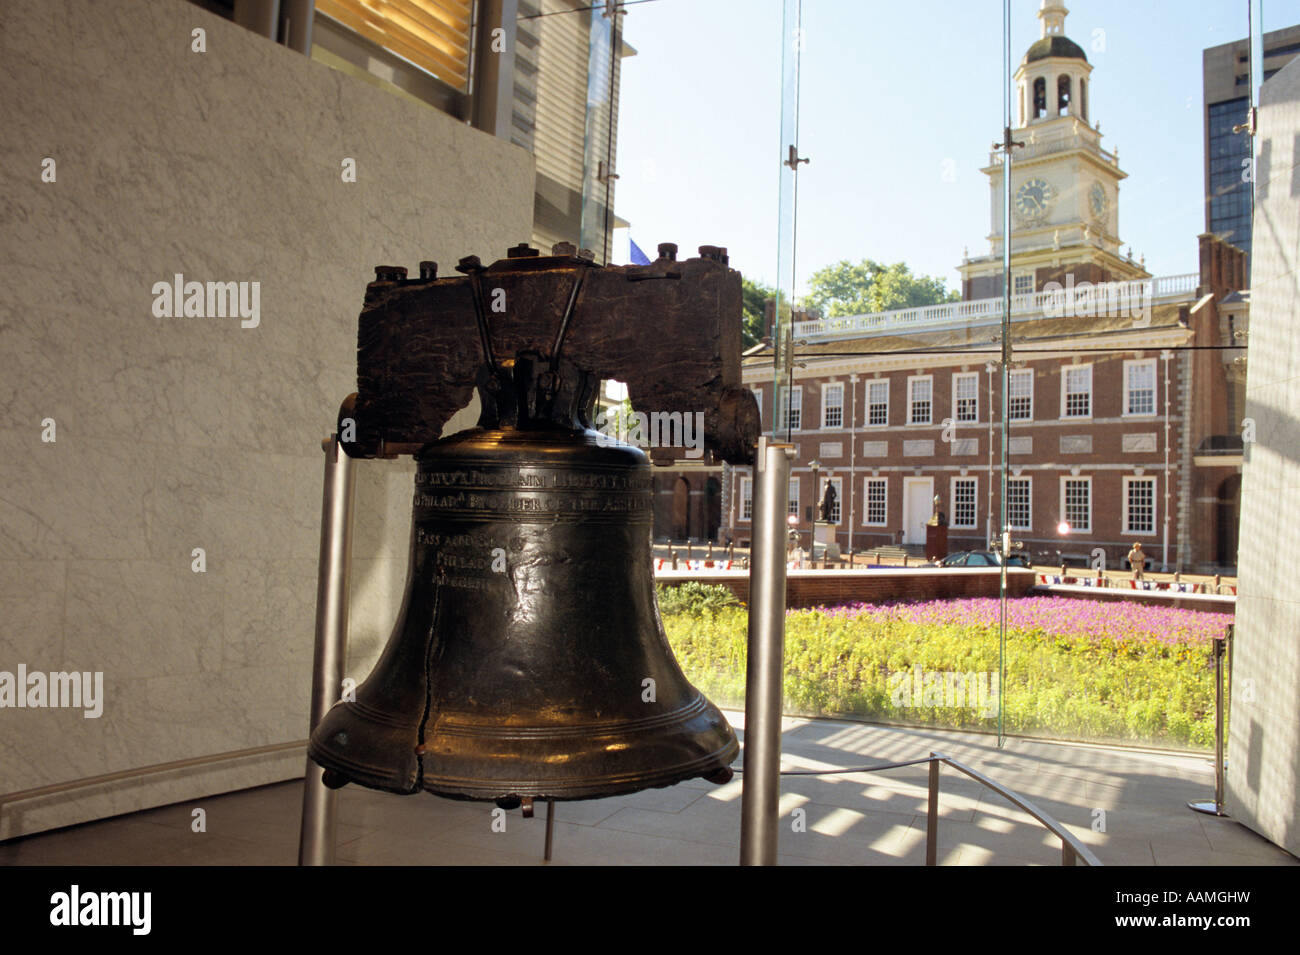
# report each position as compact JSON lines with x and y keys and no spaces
{"x":899,"y":104}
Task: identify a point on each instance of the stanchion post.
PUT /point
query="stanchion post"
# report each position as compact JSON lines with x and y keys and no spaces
{"x":318,"y":836}
{"x":1216,"y":808}
{"x":932,"y":814}
{"x":761,"y":792}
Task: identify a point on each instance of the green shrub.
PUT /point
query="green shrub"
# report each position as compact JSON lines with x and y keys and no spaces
{"x":694,"y":598}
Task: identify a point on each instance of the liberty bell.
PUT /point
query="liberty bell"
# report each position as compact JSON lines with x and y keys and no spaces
{"x":529,"y":658}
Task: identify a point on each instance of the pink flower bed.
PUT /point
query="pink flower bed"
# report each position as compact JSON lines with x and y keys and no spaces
{"x":1057,"y":616}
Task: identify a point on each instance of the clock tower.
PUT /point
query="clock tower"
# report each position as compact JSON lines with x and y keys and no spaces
{"x":1064,"y":186}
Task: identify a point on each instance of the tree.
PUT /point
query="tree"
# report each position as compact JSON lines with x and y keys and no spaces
{"x":869,"y":286}
{"x":754,"y":296}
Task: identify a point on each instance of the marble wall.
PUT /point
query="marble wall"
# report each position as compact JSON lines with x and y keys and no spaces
{"x":130,"y":439}
{"x":1263,"y":777}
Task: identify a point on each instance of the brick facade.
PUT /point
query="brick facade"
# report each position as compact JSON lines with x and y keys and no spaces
{"x":1119,"y":460}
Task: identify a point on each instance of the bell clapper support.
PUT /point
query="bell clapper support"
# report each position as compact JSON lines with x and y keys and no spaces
{"x":318,"y":835}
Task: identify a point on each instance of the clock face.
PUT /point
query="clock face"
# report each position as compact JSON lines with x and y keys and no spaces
{"x":1034,"y":199}
{"x":1097,"y":201}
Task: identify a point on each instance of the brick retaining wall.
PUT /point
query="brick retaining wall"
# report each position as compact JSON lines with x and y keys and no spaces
{"x":815,"y":588}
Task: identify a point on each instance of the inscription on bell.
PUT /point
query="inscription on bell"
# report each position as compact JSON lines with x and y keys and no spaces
{"x":450,"y":500}
{"x":462,"y":583}
{"x":516,"y":478}
{"x":426,"y":537}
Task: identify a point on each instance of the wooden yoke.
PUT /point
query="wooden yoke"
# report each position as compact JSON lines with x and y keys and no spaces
{"x":670,"y":330}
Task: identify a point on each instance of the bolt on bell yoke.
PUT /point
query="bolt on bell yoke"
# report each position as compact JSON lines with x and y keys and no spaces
{"x":529,"y":659}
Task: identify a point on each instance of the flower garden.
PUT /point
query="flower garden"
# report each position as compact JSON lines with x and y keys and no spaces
{"x":1075,"y":669}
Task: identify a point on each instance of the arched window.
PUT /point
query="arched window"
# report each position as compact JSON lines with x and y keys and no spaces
{"x":1040,"y":98}
{"x":1083,"y":99}
{"x":1063,"y":96}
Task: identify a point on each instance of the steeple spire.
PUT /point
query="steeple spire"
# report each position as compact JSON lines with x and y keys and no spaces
{"x":1053,"y":13}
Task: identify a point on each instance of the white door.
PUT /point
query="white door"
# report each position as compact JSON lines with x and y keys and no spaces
{"x":918,"y":505}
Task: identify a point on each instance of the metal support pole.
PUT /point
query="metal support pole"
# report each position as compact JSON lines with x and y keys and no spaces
{"x":317,"y":839}
{"x":296,"y":18}
{"x":932,"y":815}
{"x":550,"y":828}
{"x":761,"y":793}
{"x":1215,"y":808}
{"x":494,"y":67}
{"x":260,"y":16}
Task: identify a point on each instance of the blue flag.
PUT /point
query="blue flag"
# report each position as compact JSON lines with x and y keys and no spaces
{"x":638,"y":257}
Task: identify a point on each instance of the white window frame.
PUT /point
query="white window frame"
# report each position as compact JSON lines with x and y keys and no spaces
{"x":826,"y":408}
{"x":838,"y":509}
{"x":929,"y":380}
{"x":866,"y":502}
{"x":792,"y":498}
{"x":1020,"y":373}
{"x":1149,"y":363}
{"x":1065,"y":516}
{"x":1029,"y":503}
{"x":973,"y":376}
{"x":788,"y":408}
{"x":1128,"y":528}
{"x":1016,"y":278}
{"x":1065,"y":393}
{"x":884,"y":383}
{"x":746,"y":499}
{"x":975,"y":502}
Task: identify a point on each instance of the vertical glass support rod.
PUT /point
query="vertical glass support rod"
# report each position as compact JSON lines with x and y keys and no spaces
{"x":1006,"y":358}
{"x":615,"y":41}
{"x":782,"y":336}
{"x":1255,"y":36}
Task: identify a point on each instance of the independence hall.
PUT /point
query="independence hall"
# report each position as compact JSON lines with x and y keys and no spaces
{"x":1117,"y":427}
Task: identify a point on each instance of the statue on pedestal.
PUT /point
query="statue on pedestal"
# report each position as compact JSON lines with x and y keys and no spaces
{"x":827,"y":506}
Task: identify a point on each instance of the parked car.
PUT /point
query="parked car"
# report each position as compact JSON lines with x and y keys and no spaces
{"x":982,"y":558}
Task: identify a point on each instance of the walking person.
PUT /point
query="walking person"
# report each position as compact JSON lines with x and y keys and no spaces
{"x":1137,"y":561}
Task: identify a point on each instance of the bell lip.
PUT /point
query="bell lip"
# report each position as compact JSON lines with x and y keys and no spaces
{"x":591,"y":788}
{"x":363,"y":774}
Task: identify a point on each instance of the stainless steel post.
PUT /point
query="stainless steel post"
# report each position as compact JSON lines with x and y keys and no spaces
{"x":260,"y":16}
{"x":932,"y":814}
{"x":296,"y":18}
{"x":761,"y":792}
{"x":318,"y":836}
{"x":1216,"y":808}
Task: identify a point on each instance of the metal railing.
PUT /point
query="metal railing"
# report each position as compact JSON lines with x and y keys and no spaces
{"x":1034,"y":150}
{"x":1072,"y":850}
{"x":1103,"y":298}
